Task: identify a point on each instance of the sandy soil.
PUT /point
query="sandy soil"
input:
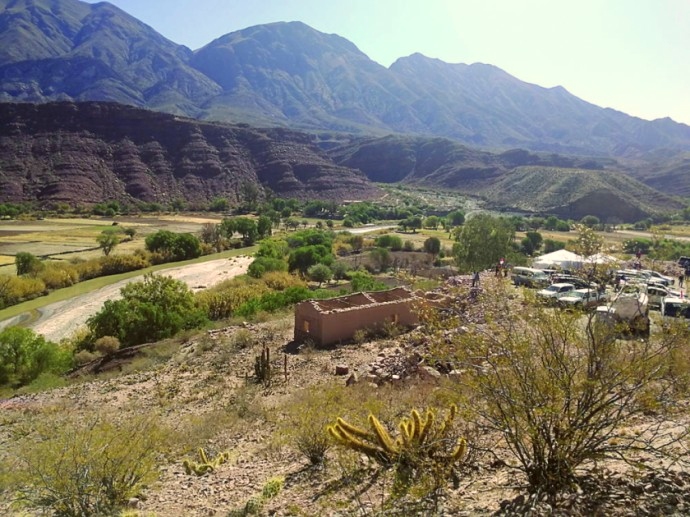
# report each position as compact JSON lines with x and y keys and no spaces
{"x":60,"y":320}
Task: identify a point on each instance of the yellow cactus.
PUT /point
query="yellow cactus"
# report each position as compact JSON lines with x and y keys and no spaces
{"x":382,"y":435}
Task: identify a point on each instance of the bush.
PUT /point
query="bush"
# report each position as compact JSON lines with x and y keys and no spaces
{"x":14,"y":289}
{"x":24,"y":355}
{"x":263,"y":265}
{"x":76,"y":466}
{"x":153,"y":309}
{"x":116,"y":264}
{"x":107,"y":345}
{"x":58,"y":275}
{"x":561,"y":393}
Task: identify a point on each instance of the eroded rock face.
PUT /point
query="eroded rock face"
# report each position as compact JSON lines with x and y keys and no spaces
{"x":92,"y":152}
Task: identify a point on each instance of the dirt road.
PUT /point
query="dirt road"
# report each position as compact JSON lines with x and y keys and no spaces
{"x":60,"y":320}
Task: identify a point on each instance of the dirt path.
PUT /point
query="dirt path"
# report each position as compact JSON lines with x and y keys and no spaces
{"x":60,"y":320}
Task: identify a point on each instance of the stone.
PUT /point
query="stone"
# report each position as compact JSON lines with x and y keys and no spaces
{"x":342,"y":369}
{"x":352,"y":379}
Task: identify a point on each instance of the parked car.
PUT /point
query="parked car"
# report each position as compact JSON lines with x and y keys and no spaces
{"x":657,"y":293}
{"x":529,"y":277}
{"x":675,"y":307}
{"x":583,"y":299}
{"x":579,"y":283}
{"x":656,"y":277}
{"x":552,"y":293}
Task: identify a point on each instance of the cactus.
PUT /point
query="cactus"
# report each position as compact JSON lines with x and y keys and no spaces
{"x":262,"y":366}
{"x":206,"y":464}
{"x":423,"y":446}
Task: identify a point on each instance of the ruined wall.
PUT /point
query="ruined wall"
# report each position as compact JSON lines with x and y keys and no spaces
{"x":332,"y":321}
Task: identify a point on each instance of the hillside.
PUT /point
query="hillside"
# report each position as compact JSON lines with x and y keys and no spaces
{"x":288,"y":74}
{"x":570,"y":187}
{"x":92,"y":152}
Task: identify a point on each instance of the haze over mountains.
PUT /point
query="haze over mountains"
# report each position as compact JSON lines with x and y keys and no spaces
{"x":290,"y":75}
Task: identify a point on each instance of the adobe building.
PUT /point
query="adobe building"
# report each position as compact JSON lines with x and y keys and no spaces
{"x":327,"y":322}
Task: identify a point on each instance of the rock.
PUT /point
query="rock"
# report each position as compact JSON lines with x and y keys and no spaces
{"x":429,"y":372}
{"x":352,"y":379}
{"x":342,"y":369}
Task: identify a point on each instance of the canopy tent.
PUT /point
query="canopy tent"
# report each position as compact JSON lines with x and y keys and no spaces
{"x":563,"y":259}
{"x":602,"y":258}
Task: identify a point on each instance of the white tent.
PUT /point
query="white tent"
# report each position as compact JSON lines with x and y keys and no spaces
{"x":601,"y":258}
{"x":563,"y":259}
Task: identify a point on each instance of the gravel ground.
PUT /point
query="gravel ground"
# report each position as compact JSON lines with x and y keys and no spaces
{"x":60,"y":320}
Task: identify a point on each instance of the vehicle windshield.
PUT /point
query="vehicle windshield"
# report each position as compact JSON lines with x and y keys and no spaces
{"x":553,"y":289}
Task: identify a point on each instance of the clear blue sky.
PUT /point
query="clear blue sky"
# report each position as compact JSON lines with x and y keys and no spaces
{"x":630,"y":55}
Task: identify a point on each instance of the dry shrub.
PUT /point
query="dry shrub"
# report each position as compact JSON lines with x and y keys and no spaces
{"x":107,"y":345}
{"x":73,"y":465}
{"x":281,"y":280}
{"x":556,"y":387}
{"x":56,"y":275}
{"x":84,"y":357}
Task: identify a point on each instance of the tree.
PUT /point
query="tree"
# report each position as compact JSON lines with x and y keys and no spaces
{"x":590,"y":221}
{"x":320,"y":273}
{"x":153,"y":309}
{"x":381,"y":258}
{"x":483,"y":242}
{"x":264,"y":225}
{"x":303,"y":258}
{"x":24,"y":355}
{"x":432,"y":245}
{"x":588,"y":241}
{"x":248,"y":228}
{"x":219,"y":204}
{"x":108,"y":239}
{"x":27,"y":263}
{"x":456,"y":217}
{"x":431,"y":222}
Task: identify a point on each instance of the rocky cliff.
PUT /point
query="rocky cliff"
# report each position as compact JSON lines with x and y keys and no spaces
{"x":91,"y":152}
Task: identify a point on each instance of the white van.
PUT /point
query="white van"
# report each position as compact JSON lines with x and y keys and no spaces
{"x":529,"y":277}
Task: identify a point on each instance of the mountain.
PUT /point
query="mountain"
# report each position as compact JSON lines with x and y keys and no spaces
{"x":516,"y":179}
{"x":70,"y":50}
{"x":92,"y":152}
{"x":288,"y":74}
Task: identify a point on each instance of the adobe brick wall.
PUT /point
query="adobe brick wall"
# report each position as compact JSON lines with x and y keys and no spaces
{"x":327,"y":322}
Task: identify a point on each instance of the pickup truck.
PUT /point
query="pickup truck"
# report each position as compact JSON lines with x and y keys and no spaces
{"x":552,"y":293}
{"x":582,"y":299}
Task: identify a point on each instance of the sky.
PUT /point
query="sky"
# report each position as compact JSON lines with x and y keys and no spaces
{"x":629,"y":55}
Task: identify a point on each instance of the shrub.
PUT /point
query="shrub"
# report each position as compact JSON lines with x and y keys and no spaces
{"x":279,"y":281}
{"x":14,"y":290}
{"x":58,"y":275}
{"x":262,"y":265}
{"x":559,"y":391}
{"x":24,"y":355}
{"x":76,"y":466}
{"x":107,"y":345}
{"x":116,"y":264}
{"x":150,"y":310}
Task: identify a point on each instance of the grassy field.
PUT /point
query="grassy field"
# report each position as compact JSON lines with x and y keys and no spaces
{"x":65,"y":239}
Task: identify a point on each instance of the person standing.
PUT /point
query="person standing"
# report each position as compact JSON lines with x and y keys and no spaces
{"x":681,"y":279}
{"x":475,"y":279}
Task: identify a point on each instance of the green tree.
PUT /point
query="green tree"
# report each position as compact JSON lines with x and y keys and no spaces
{"x":248,"y":228}
{"x":432,"y":245}
{"x":153,"y":309}
{"x":108,"y":239}
{"x":590,"y":221}
{"x":264,"y":225}
{"x":457,"y":217}
{"x":301,"y":259}
{"x":24,"y":355}
{"x":27,"y":264}
{"x":219,"y":204}
{"x":483,"y":242}
{"x":320,"y":273}
{"x":431,"y":222}
{"x":381,"y":258}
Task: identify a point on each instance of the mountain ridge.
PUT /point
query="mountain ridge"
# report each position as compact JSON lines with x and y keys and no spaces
{"x":289,"y":74}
